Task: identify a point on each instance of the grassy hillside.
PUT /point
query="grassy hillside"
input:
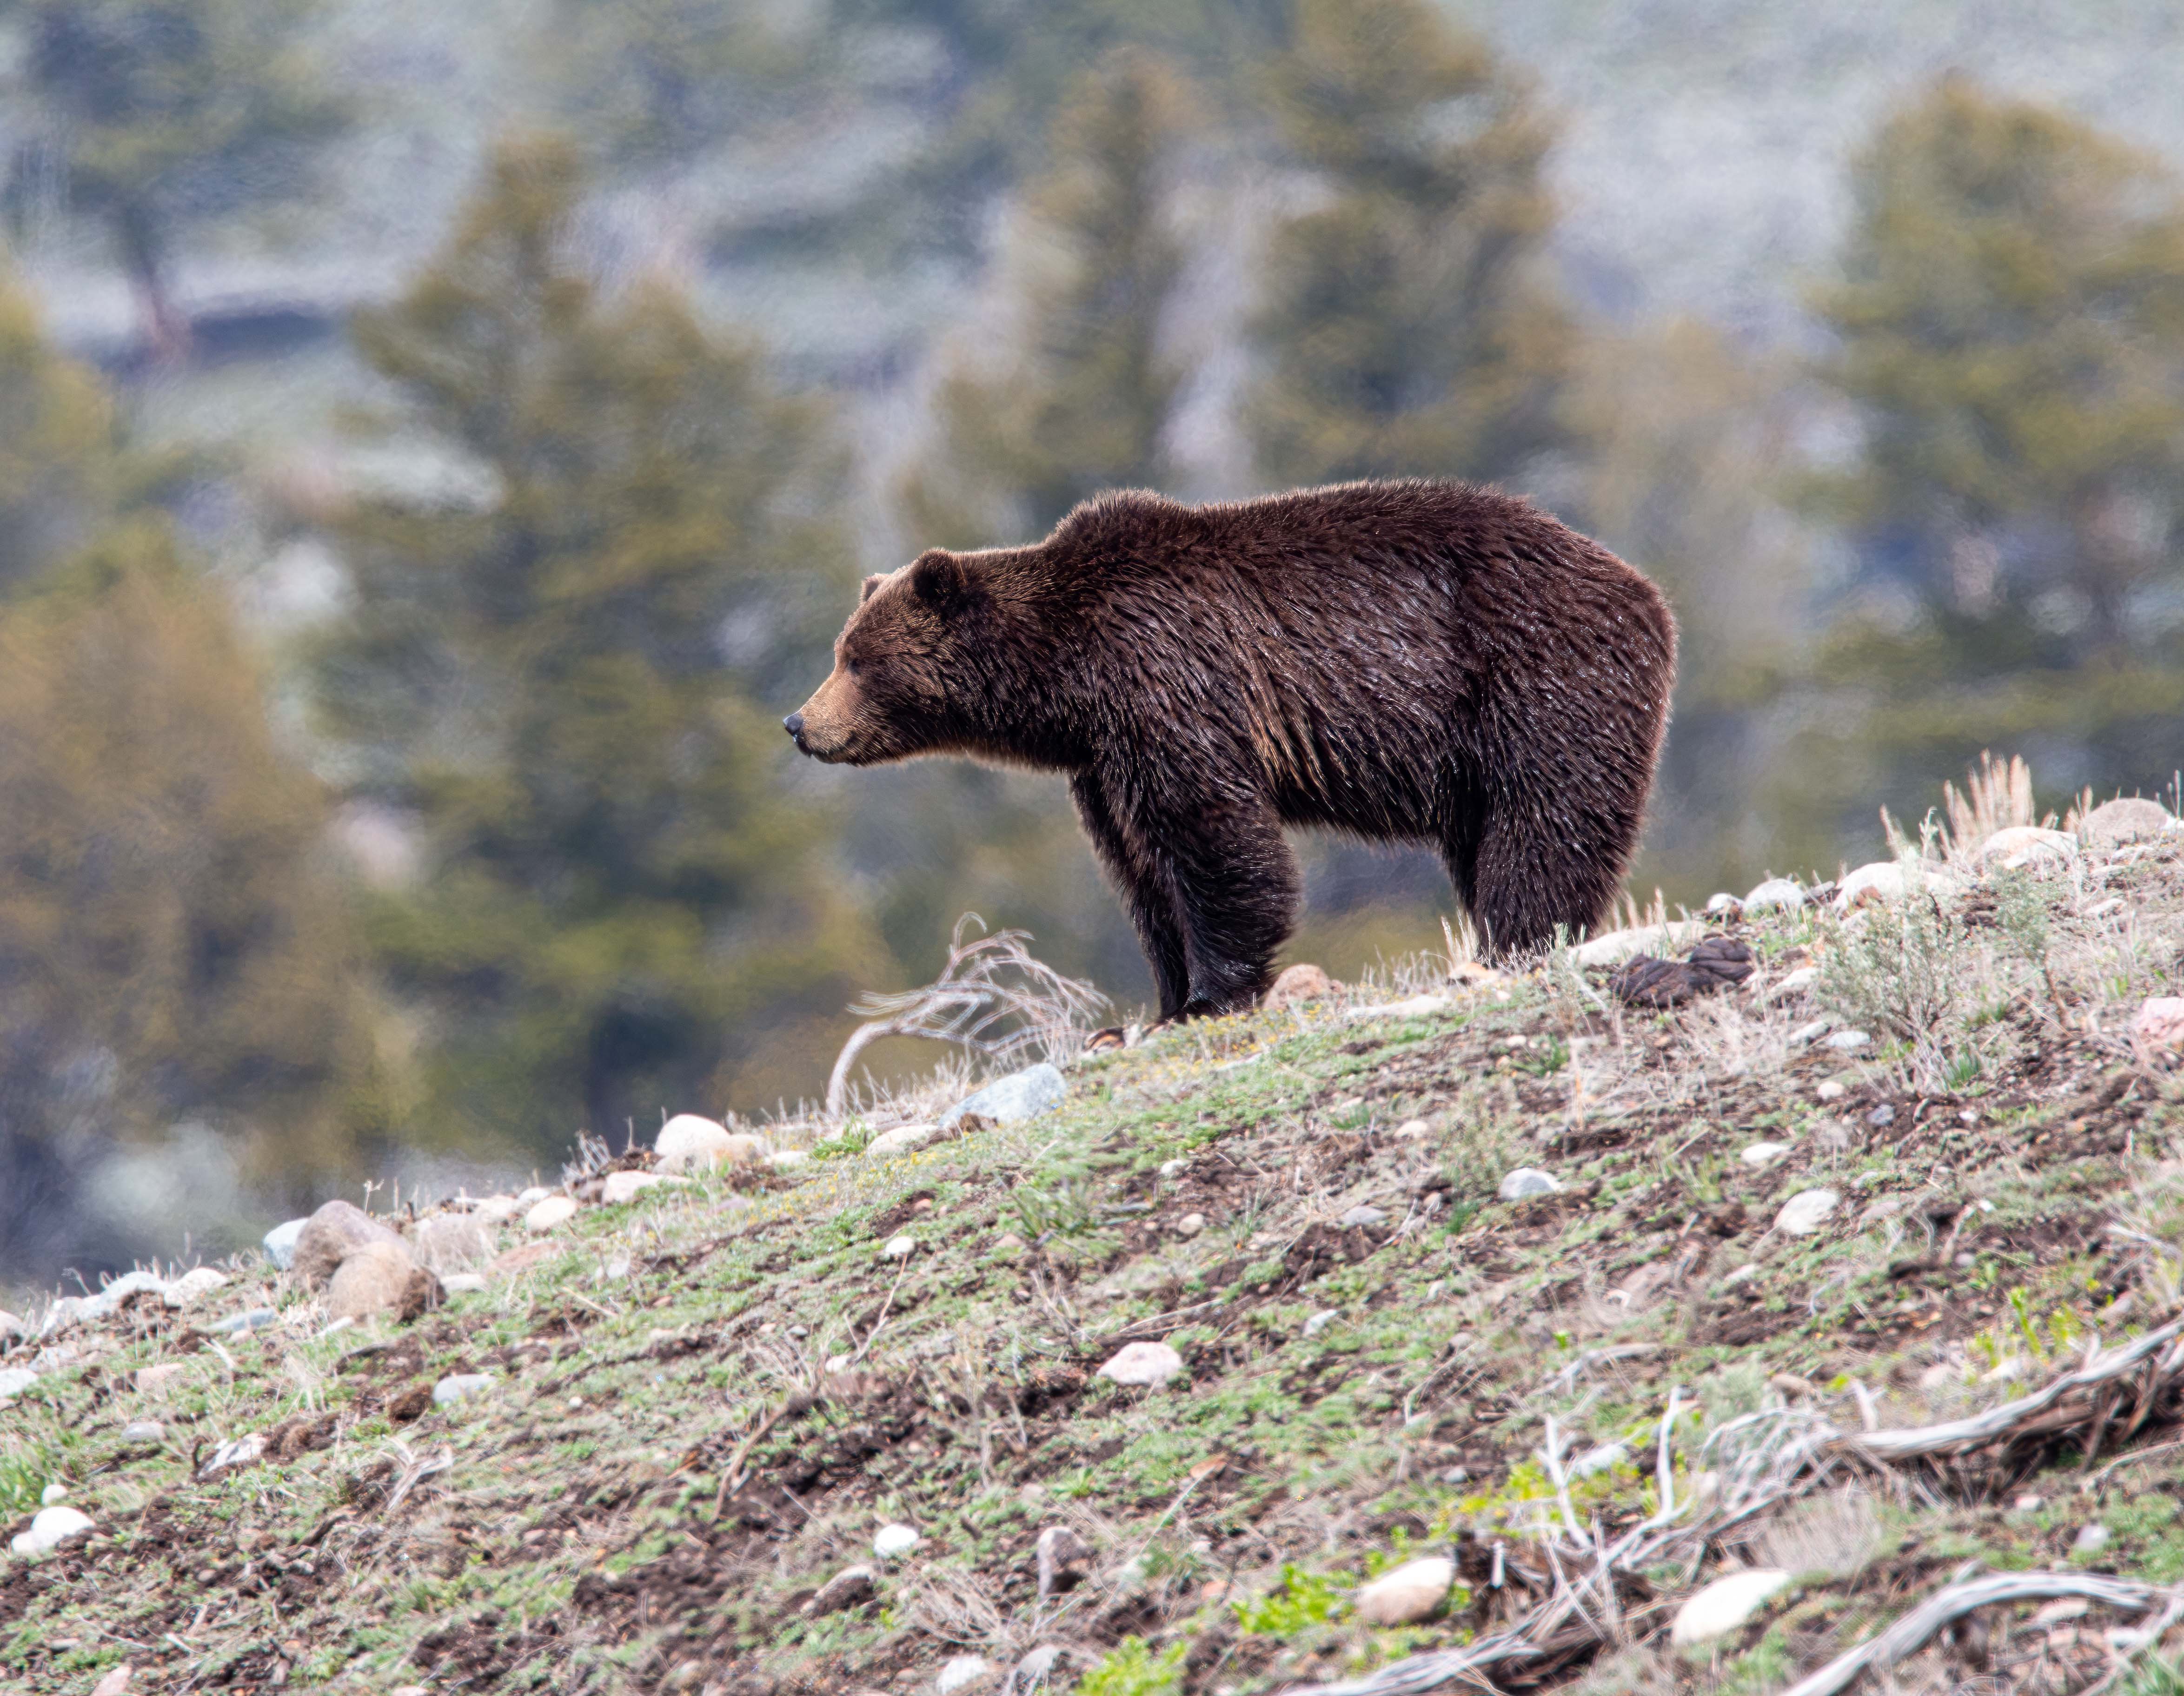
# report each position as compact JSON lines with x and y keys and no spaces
{"x":703,"y":1405}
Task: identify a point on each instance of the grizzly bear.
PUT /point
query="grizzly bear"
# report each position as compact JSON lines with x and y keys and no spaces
{"x":1412,"y":661}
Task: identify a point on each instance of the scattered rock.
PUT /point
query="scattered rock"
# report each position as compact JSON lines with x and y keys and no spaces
{"x":626,"y":1187}
{"x":251,"y":1319}
{"x":2092,"y":1539}
{"x":1775,"y":893}
{"x":2028,"y":845}
{"x":1724,"y":1604}
{"x":460,"y":1387}
{"x":1617,"y":946}
{"x":1525,"y":1182}
{"x":965,"y":1672}
{"x":532,"y":1197}
{"x":2127,"y":819}
{"x":280,"y":1242}
{"x":1416,"y":1007}
{"x":901,"y":1139}
{"x":1412,"y":1131}
{"x":1833,"y":1090}
{"x":1063,"y":1556}
{"x":690,"y":1141}
{"x":1805,"y":1212}
{"x":453,"y":1241}
{"x":14,"y":1380}
{"x":891,"y":1540}
{"x":1363,"y":1216}
{"x":116,"y":1681}
{"x":1724,"y":906}
{"x":1763,"y":1154}
{"x":788,"y":1159}
{"x":1411,"y":1592}
{"x":1191,"y":1225}
{"x":1298,"y":984}
{"x":151,"y":1380}
{"x":1883,"y":1114}
{"x":381,"y":1277}
{"x":1149,"y":1364}
{"x":1891,"y":880}
{"x":1320,"y":1320}
{"x":899,"y":1247}
{"x":53,"y":1494}
{"x":1599,"y":1459}
{"x":112,"y":1297}
{"x":1036,"y":1668}
{"x":329,"y":1234}
{"x":144,"y":1431}
{"x":194,"y":1286}
{"x":496,"y":1209}
{"x":549,"y":1214}
{"x":1845,"y":1041}
{"x":1792,"y":982}
{"x":1021,"y":1095}
{"x":851,"y":1587}
{"x":2157,"y":1034}
{"x":244,"y":1451}
{"x":50,"y":1527}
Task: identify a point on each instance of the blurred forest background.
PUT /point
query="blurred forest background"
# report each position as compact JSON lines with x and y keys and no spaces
{"x":441,"y":441}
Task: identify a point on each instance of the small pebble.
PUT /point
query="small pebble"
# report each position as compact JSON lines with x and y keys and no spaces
{"x":53,"y":1494}
{"x":459,"y":1387}
{"x":1148,"y":1365}
{"x":50,"y":1527}
{"x":1363,"y":1216}
{"x":1804,"y":1213}
{"x":257,"y":1319}
{"x":1883,"y":1114}
{"x":1833,"y":1090}
{"x":549,"y":1212}
{"x":899,"y":1248}
{"x":962,"y":1672}
{"x":1763,"y":1154}
{"x":1320,"y":1320}
{"x":1411,"y":1592}
{"x":2092,"y":1539}
{"x":1191,"y":1225}
{"x":1844,"y":1040}
{"x":1413,"y":1131}
{"x":144,"y":1431}
{"x":1527,"y":1181}
{"x":891,"y":1540}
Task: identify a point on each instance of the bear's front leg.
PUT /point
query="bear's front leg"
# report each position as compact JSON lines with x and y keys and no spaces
{"x":1146,"y":892}
{"x":1235,"y":885}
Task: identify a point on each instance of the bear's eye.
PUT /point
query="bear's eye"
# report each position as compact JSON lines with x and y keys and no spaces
{"x":851,"y":666}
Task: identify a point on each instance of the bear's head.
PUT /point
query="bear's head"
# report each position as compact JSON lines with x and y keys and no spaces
{"x":906,"y":679}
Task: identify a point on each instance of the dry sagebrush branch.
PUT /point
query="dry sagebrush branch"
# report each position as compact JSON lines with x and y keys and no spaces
{"x":993,"y":999}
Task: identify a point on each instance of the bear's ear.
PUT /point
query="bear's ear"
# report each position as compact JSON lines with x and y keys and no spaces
{"x":872,"y":587}
{"x":940,"y":577}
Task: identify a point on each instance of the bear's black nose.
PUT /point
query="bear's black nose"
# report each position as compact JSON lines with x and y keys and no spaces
{"x":794,"y":724}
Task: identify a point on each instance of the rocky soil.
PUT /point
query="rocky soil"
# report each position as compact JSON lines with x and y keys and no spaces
{"x":1468,"y":1326}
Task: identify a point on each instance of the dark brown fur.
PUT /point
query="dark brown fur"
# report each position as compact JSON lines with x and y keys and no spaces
{"x":1412,"y":661}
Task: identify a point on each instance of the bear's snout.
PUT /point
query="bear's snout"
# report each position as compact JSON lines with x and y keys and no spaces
{"x":794,"y":724}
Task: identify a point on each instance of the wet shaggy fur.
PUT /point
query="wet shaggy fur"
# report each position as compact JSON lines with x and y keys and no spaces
{"x":1406,"y":661}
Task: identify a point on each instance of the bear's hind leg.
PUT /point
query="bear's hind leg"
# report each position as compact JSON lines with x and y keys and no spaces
{"x":1143,"y":891}
{"x":1532,"y":875}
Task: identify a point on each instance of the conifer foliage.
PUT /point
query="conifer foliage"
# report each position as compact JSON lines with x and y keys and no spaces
{"x":556,"y":667}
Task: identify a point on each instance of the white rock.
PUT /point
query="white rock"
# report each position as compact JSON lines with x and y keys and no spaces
{"x":549,"y":1214}
{"x":108,"y":1300}
{"x":1834,"y":1089}
{"x":251,"y":1319}
{"x":2157,"y":1030}
{"x":1775,"y":893}
{"x":144,"y":1431}
{"x":2092,"y":1538}
{"x":53,"y":1494}
{"x":460,"y":1387}
{"x":497,"y":1209}
{"x":2025,"y":845}
{"x":243,"y":1451}
{"x":1525,"y":1182}
{"x":1804,"y":1212}
{"x":1320,"y":1320}
{"x":689,"y":1141}
{"x":1891,"y":880}
{"x":531,"y":1197}
{"x":1415,"y":1007}
{"x":1617,"y":946}
{"x":891,"y":1540}
{"x":899,"y":1247}
{"x":50,"y":1528}
{"x":902,"y":1139}
{"x":788,"y":1159}
{"x":1412,"y":1131}
{"x":1763,"y":1154}
{"x":194,"y":1286}
{"x":280,"y":1242}
{"x":1724,"y":905}
{"x":1363,"y":1215}
{"x":1149,"y":1364}
{"x":962,"y":1671}
{"x":1191,"y":1225}
{"x":1845,"y":1041}
{"x":1724,"y":1604}
{"x":1021,"y":1095}
{"x":1811,"y":1031}
{"x":1791,"y":982}
{"x":14,"y":1380}
{"x":1599,"y":1459}
{"x":625,"y":1186}
{"x":463,"y":1283}
{"x":1409,"y":1593}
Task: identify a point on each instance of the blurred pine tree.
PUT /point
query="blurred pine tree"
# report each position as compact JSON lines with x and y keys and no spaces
{"x":2010,"y":324}
{"x":1409,"y":326}
{"x":172,"y":945}
{"x":559,"y":670}
{"x":152,"y":115}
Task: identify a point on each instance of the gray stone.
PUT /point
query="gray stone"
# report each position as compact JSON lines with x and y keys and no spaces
{"x":1036,"y":1668}
{"x":453,"y":1242}
{"x":280,"y":1242}
{"x":1363,"y":1215}
{"x":1142,"y":1364}
{"x":144,"y":1431}
{"x":194,"y":1286}
{"x":460,"y":1387}
{"x":110,"y":1298}
{"x":1775,"y":893}
{"x":965,"y":1672}
{"x":1061,"y":1556}
{"x":1021,"y":1095}
{"x":1320,"y":1320}
{"x":1410,"y":1594}
{"x":1525,"y":1182}
{"x":902,"y":1139}
{"x":850,"y":1588}
{"x":2127,"y":820}
{"x":1805,"y":1212}
{"x":331,"y":1233}
{"x":244,"y":1451}
{"x":254,"y":1319}
{"x":14,"y":1380}
{"x":1883,"y":1114}
{"x":1844,"y":1042}
{"x":381,"y":1277}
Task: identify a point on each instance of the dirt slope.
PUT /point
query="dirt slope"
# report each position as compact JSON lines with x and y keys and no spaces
{"x":705,"y":1404}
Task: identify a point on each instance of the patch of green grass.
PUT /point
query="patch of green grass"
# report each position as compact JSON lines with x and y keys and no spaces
{"x":1131,"y":1669}
{"x":1300,"y":1600}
